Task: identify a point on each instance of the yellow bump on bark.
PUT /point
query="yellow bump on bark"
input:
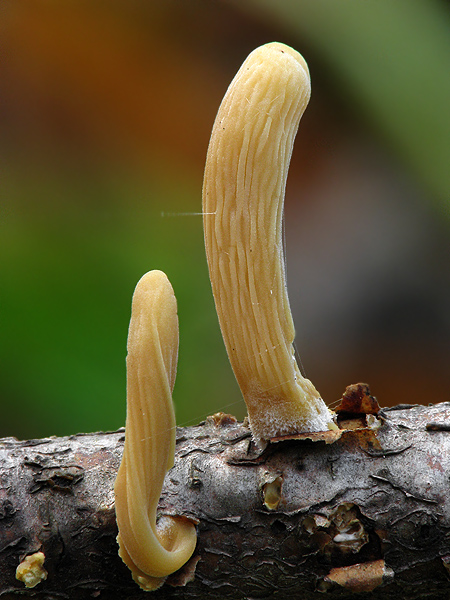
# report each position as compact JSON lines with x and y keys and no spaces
{"x":243,"y":197}
{"x":31,"y":570}
{"x":272,"y":493}
{"x":151,"y":549}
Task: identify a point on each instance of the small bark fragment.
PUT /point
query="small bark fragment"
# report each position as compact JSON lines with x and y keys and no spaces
{"x":363,"y":577}
{"x":358,"y":400}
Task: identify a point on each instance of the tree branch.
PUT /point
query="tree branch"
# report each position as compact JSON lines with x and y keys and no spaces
{"x":369,"y":512}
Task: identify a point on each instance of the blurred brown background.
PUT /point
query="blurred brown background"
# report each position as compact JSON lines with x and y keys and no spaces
{"x":106,"y":108}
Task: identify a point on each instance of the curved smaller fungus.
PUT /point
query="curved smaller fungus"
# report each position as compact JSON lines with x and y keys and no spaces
{"x":151,"y":549}
{"x":243,"y":195}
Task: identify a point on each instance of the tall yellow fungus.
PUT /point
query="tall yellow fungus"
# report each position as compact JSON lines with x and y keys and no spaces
{"x":243,"y":196}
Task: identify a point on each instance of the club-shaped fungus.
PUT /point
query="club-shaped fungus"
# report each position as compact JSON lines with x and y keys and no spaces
{"x":243,"y":196}
{"x":151,"y":549}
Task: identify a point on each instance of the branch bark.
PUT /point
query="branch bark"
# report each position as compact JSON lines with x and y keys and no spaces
{"x":367,"y":514}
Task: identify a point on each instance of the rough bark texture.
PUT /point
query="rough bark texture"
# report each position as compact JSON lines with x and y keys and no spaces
{"x":366,"y":515}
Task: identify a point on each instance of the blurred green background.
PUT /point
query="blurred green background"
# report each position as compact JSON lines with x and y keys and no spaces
{"x":106,"y":108}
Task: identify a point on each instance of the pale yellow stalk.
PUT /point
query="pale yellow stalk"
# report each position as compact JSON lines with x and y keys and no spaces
{"x":151,"y":550}
{"x":243,"y":195}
